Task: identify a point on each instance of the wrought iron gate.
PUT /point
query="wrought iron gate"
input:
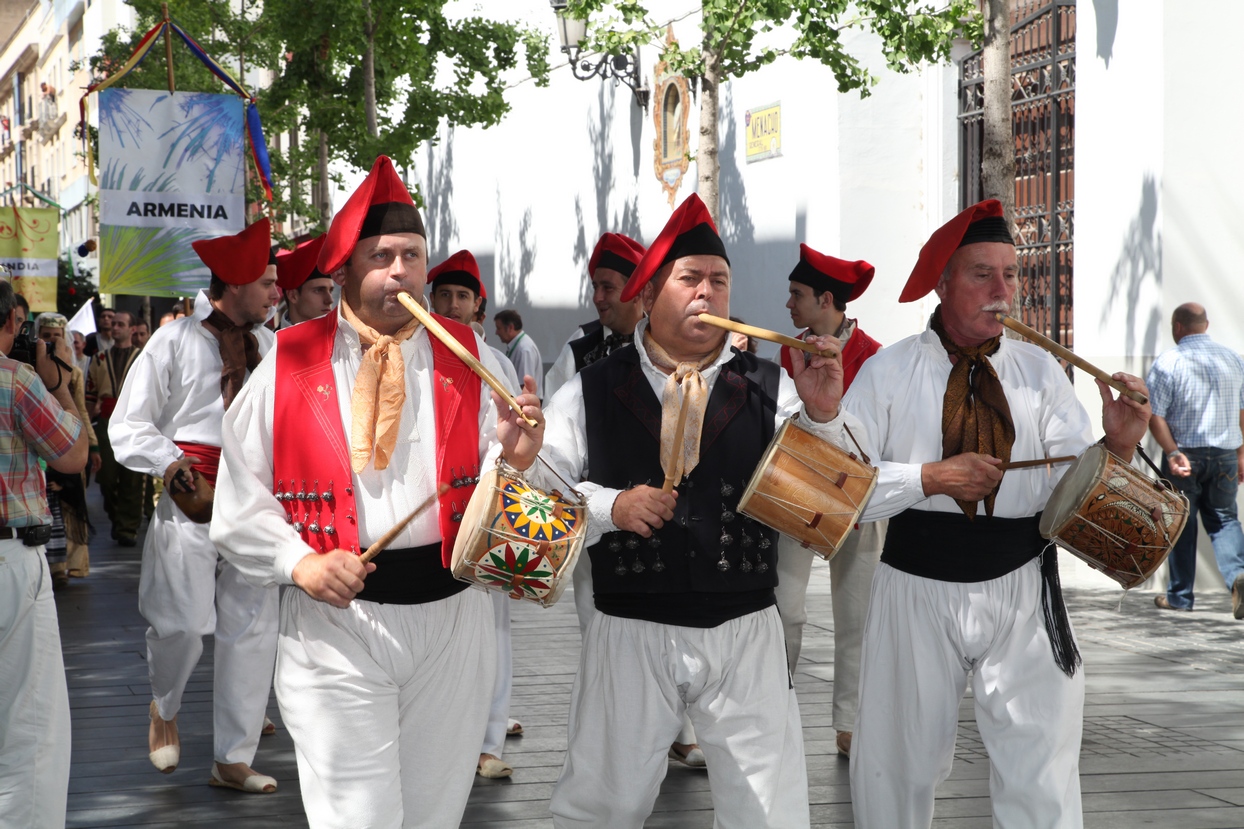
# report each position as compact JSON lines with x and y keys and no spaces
{"x":1043,"y":97}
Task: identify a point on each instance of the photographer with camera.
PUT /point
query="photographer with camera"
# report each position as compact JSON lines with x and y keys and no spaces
{"x":37,"y":420}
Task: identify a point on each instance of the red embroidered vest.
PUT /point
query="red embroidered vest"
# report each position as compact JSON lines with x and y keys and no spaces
{"x":310,"y":456}
{"x":858,"y":349}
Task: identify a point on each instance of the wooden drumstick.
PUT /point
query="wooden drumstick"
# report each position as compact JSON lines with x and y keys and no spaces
{"x":1070,"y":356}
{"x":451,"y":342}
{"x":678,"y":441}
{"x":385,"y":540}
{"x":1036,"y":462}
{"x":766,"y":334}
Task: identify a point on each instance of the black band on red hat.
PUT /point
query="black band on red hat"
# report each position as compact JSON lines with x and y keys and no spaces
{"x":988,"y":229}
{"x":462,"y":278}
{"x":272,"y":254}
{"x":701,"y":240}
{"x":391,"y":217}
{"x":609,"y":259}
{"x":805,"y":274}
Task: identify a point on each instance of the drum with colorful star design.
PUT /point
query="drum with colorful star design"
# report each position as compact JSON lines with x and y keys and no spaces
{"x":519,"y":540}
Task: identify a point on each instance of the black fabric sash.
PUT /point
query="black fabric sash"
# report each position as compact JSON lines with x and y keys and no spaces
{"x":949,"y":546}
{"x":412,"y":575}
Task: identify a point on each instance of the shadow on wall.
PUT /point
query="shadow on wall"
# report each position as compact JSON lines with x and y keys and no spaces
{"x":600,"y":134}
{"x":438,"y":200}
{"x":1106,"y":14}
{"x":1139,"y":263}
{"x":513,"y":271}
{"x":758,"y":270}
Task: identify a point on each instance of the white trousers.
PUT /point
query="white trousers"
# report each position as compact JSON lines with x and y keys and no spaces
{"x":635,"y":681}
{"x":851,"y":579}
{"x":585,"y":607}
{"x":34,"y":700}
{"x":387,"y":706}
{"x":499,"y":714}
{"x":923,"y":639}
{"x":186,"y":592}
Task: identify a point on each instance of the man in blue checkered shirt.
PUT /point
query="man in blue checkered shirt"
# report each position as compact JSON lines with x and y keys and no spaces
{"x":1197,"y":393}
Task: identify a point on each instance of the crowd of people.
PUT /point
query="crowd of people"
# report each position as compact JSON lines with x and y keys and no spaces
{"x":301,"y":388}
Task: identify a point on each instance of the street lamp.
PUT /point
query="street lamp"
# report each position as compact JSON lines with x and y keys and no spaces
{"x":624,"y":68}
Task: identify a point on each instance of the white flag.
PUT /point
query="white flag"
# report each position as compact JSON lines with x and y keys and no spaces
{"x":84,"y":321}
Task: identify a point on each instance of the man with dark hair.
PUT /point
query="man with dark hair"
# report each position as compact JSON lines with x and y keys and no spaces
{"x":121,"y":488}
{"x":683,"y":584}
{"x":820,"y":288}
{"x":308,"y":293}
{"x":612,"y":262}
{"x":965,"y":594}
{"x":101,"y":339}
{"x":520,"y":348}
{"x":141,"y":333}
{"x":167,"y":422}
{"x":34,"y":700}
{"x":21,"y":309}
{"x":1197,"y":394}
{"x":457,"y":292}
{"x":386,"y":668}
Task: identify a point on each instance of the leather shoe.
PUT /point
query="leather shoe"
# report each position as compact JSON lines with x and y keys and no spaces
{"x":1237,"y":597}
{"x":843,"y":741}
{"x":1161,"y":602}
{"x":167,"y":754}
{"x":493,"y":768}
{"x":694,"y":758}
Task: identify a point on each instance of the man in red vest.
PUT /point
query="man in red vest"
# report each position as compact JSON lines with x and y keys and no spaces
{"x":385,"y":670}
{"x":820,"y":288}
{"x":168,"y":417}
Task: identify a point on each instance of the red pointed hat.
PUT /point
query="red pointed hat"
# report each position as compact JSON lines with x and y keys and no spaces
{"x":847,"y":281}
{"x":616,"y":252}
{"x":689,"y":232}
{"x":295,"y":267}
{"x":239,"y":259}
{"x":381,"y":204}
{"x":982,"y":222}
{"x":459,"y":269}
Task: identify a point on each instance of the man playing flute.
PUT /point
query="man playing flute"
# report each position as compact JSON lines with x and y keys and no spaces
{"x":384,"y":670}
{"x":966,"y":587}
{"x":683,"y":583}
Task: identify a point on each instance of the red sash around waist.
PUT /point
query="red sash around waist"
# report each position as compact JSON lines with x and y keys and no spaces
{"x":209,"y":457}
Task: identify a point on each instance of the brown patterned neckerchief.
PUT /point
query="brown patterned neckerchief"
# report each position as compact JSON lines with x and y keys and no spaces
{"x":975,"y":414}
{"x":239,"y":352}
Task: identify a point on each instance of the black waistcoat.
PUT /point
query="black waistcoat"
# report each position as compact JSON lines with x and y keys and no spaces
{"x":593,"y":335}
{"x":623,"y":418}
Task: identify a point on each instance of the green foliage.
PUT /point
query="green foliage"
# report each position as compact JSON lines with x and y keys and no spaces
{"x":73,"y":290}
{"x":737,"y":33}
{"x":314,"y":51}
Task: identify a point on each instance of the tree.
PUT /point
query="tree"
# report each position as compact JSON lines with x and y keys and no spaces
{"x":912,"y":32}
{"x":351,"y":78}
{"x":998,"y":146}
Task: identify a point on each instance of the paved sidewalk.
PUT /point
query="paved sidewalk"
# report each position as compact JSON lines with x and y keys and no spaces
{"x":1163,"y":732}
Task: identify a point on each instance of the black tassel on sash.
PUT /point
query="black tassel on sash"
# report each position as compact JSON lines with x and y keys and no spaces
{"x":1057,"y":623}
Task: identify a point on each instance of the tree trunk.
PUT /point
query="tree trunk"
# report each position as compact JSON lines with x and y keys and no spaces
{"x":706,"y":162}
{"x":324,"y":202}
{"x":294,"y":189}
{"x":998,"y":153}
{"x":369,"y":72}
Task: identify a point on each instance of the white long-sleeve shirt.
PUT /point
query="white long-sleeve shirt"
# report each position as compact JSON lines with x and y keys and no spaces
{"x":525,"y":356}
{"x":565,"y":432}
{"x":172,"y":393}
{"x":898,"y":397}
{"x":249,"y":525}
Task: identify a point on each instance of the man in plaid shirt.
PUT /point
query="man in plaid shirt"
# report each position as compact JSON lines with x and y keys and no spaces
{"x":1197,"y":393}
{"x":34,"y":702}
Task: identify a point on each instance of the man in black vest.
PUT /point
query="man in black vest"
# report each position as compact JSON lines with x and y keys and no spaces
{"x":612,"y":263}
{"x":685,"y":621}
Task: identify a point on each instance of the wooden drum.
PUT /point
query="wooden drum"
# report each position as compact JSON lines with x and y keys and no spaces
{"x":519,"y":540}
{"x":1113,"y":517}
{"x":809,"y":489}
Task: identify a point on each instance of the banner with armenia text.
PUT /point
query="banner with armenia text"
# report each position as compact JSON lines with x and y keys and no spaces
{"x":172,"y":170}
{"x":29,"y":244}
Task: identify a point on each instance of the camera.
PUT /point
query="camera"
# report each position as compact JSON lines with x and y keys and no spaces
{"x":26,"y":345}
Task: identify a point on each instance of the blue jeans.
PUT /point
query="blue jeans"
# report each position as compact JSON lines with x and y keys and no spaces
{"x":1211,"y":492}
